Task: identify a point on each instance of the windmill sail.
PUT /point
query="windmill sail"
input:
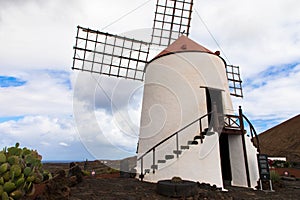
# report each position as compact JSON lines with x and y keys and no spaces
{"x":172,"y":19}
{"x":109,"y":54}
{"x":234,"y":80}
{"x":119,"y":56}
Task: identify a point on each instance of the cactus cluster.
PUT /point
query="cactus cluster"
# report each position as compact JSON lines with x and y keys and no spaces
{"x":20,"y":169}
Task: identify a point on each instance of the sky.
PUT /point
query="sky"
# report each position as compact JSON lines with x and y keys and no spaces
{"x":68,"y":115}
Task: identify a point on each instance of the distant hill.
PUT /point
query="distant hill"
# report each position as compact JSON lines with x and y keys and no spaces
{"x":282,"y":140}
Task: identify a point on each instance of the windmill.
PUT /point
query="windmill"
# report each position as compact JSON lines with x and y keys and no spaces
{"x":188,"y":126}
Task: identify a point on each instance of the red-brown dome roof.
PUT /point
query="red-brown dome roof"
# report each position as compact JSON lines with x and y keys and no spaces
{"x":182,"y":44}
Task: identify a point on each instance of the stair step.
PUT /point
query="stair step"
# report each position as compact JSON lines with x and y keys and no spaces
{"x":210,"y":133}
{"x":168,"y":157}
{"x":147,"y":171}
{"x":177,"y":152}
{"x":154,"y":166}
{"x":194,"y":142}
{"x":161,"y":161}
{"x":184,"y":147}
{"x":205,"y":131}
{"x":199,"y":137}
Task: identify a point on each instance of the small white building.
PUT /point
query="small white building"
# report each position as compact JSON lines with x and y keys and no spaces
{"x":277,"y":158}
{"x":186,"y":94}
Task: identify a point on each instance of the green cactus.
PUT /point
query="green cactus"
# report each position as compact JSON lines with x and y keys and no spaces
{"x":15,"y":171}
{"x":20,"y":169}
{"x":9,"y":186}
{"x":30,"y":179}
{"x":13,"y":160}
{"x":5,"y":196}
{"x":1,"y":190}
{"x":4,"y":167}
{"x":25,"y":151}
{"x":17,"y":194}
{"x":27,"y":171}
{"x":20,"y":182}
{"x":2,"y":157}
{"x":38,"y":177}
{"x":6,"y":176}
{"x":14,"y":151}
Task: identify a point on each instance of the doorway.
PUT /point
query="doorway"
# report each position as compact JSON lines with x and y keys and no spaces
{"x":225,"y":159}
{"x":214,"y":96}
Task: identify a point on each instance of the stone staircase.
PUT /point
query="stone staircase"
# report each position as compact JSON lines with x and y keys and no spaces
{"x":176,"y":153}
{"x":233,"y":124}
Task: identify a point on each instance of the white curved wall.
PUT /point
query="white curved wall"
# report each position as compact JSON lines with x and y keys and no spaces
{"x":252,"y":162}
{"x":172,"y":94}
{"x":199,"y":163}
{"x":237,"y":161}
{"x":173,"y":98}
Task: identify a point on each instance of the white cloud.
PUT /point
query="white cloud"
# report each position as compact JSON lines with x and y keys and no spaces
{"x":64,"y":144}
{"x":37,"y":34}
{"x":40,"y":128}
{"x":253,"y":34}
{"x":99,"y":128}
{"x":275,"y":99}
{"x":42,"y":133}
{"x":45,"y":92}
{"x":118,"y":129}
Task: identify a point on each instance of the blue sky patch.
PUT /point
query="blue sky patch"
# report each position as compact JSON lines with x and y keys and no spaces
{"x":276,"y":71}
{"x":271,"y":72}
{"x":12,"y":118}
{"x":264,"y":125}
{"x":62,"y":76}
{"x":10,"y":81}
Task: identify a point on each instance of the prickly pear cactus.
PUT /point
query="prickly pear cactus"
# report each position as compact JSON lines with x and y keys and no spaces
{"x":20,"y":169}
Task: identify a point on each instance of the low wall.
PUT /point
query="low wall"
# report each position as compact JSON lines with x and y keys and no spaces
{"x":292,"y":171}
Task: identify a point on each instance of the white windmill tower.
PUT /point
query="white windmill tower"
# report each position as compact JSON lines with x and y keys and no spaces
{"x":188,"y":127}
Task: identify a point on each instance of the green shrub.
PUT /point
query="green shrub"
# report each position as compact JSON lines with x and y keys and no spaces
{"x":112,"y":171}
{"x":282,"y":164}
{"x":85,"y":173}
{"x":275,"y":177}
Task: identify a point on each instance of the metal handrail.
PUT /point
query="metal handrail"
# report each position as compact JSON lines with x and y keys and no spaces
{"x":169,"y":137}
{"x":229,"y":117}
{"x":166,"y":139}
{"x":251,"y":127}
{"x":253,"y":131}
